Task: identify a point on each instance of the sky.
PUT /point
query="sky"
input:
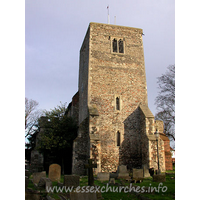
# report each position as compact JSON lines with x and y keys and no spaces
{"x":54,"y":32}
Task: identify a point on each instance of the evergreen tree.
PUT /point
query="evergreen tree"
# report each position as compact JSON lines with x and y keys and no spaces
{"x":56,"y":134}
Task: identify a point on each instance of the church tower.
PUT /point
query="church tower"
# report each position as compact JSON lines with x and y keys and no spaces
{"x":114,"y":119}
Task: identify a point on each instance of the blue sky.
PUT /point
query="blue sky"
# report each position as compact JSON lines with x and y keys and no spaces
{"x":54,"y":32}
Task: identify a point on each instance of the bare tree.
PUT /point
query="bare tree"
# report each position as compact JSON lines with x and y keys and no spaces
{"x":31,"y":115}
{"x":165,"y":101}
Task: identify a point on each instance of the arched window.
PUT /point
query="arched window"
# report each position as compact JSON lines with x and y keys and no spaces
{"x":121,"y":47}
{"x":117,"y":45}
{"x":118,"y":138}
{"x":114,"y":45}
{"x":117,"y":103}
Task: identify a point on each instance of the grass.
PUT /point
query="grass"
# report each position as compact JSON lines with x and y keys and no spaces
{"x":166,"y":191}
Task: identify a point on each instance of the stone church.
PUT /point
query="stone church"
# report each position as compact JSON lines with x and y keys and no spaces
{"x":116,"y":127}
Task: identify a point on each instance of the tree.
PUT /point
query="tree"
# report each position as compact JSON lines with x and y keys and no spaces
{"x":57,"y":134}
{"x":31,"y":116}
{"x":165,"y":101}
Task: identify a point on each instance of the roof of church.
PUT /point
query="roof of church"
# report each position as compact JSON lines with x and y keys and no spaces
{"x":145,"y":109}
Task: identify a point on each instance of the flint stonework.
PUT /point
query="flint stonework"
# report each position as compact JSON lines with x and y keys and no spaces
{"x":116,"y":127}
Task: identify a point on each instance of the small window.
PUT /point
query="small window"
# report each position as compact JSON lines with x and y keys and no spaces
{"x":118,"y":138}
{"x":117,"y":103}
{"x":121,"y":47}
{"x":114,"y":45}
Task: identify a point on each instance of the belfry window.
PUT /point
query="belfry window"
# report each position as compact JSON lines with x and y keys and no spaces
{"x":118,"y":138}
{"x":121,"y":47}
{"x":114,"y":45}
{"x":117,"y":46}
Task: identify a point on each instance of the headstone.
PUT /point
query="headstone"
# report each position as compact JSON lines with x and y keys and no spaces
{"x":103,"y":176}
{"x":54,"y":172}
{"x":122,"y":172}
{"x":145,"y":171}
{"x":37,"y":160}
{"x":45,"y":182}
{"x":71,"y":180}
{"x":37,"y":176}
{"x":90,"y":167}
{"x":159,"y":178}
{"x":137,"y":173}
{"x":83,"y":196}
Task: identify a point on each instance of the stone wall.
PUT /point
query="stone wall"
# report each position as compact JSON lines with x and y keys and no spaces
{"x":83,"y":78}
{"x":149,"y":142}
{"x":116,"y":126}
{"x":153,"y":156}
{"x":81,"y":149}
{"x":73,"y":108}
{"x":114,"y":75}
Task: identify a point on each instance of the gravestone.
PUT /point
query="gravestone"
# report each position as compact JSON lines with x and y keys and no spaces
{"x":145,"y":171}
{"x":71,"y":180}
{"x":37,"y":176}
{"x":138,"y":173}
{"x":83,"y":196}
{"x":103,"y":176}
{"x":54,"y":172}
{"x":45,"y":182}
{"x":159,"y":178}
{"x":90,"y":167}
{"x":122,"y":172}
{"x":37,"y":160}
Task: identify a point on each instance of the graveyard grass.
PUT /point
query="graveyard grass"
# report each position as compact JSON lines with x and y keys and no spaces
{"x":169,"y":194}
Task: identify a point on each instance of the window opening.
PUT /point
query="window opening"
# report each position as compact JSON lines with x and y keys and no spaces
{"x":118,"y":138}
{"x":117,"y":103}
{"x":121,"y":47}
{"x":114,"y":45}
